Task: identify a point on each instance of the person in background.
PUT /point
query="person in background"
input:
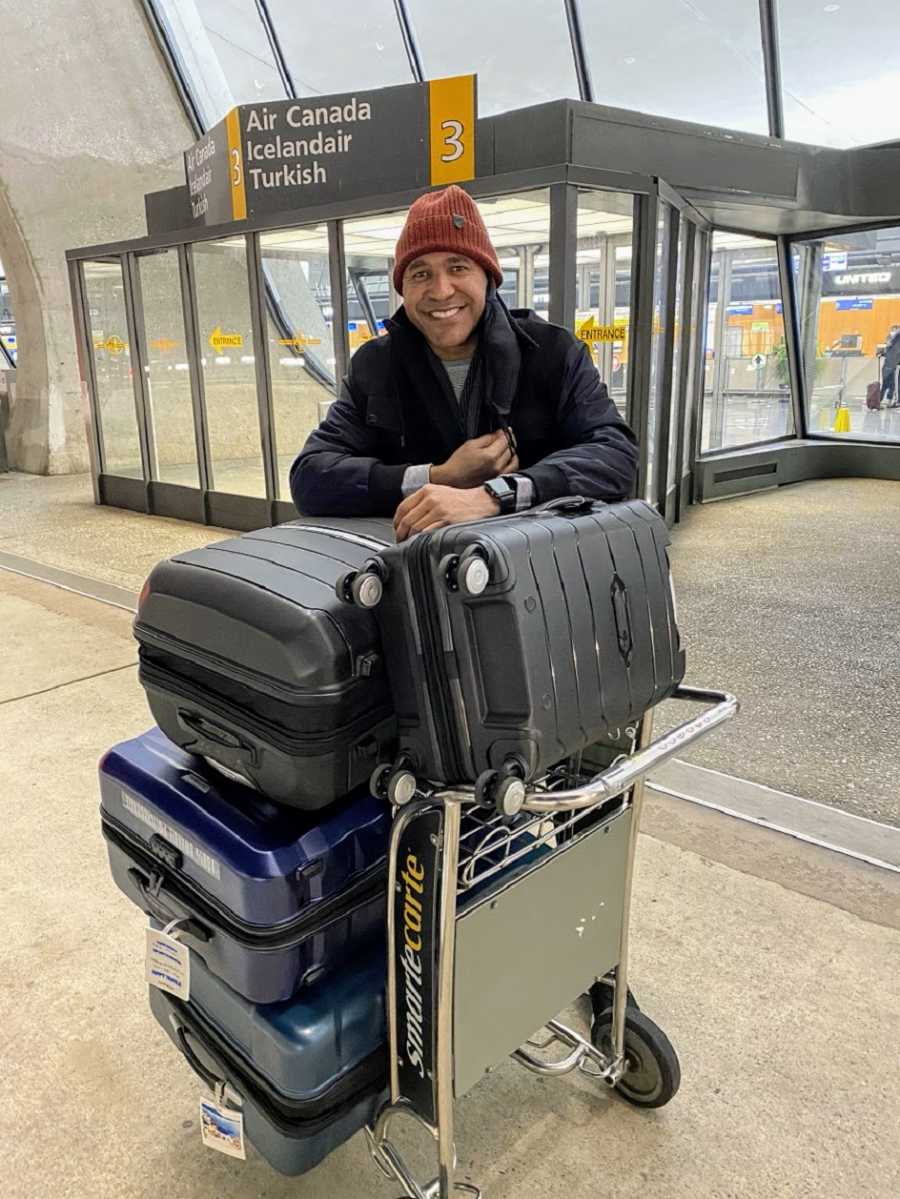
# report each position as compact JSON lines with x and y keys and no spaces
{"x":464,"y":409}
{"x":889,"y":396}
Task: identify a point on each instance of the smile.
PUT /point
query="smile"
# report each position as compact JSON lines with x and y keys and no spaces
{"x":443,"y":314}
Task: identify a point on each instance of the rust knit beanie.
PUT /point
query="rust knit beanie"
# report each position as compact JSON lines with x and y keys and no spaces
{"x":447,"y":220}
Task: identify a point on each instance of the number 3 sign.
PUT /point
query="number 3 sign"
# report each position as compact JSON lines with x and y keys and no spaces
{"x":451,"y":104}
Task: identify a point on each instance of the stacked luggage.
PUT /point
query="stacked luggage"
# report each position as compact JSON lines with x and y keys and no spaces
{"x":300,"y":678}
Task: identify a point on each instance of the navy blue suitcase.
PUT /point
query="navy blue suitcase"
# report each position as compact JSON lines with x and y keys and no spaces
{"x":310,"y":1072}
{"x":272,"y":896}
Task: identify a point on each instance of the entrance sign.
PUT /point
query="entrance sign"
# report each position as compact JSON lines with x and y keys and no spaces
{"x":273,"y":157}
{"x":590,"y":331}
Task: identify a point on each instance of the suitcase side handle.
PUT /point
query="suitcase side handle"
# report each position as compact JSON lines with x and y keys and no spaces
{"x":568,"y":505}
{"x":184,"y":1045}
{"x":148,"y":889}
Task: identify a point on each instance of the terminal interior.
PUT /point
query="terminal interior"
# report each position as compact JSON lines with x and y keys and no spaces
{"x":710,"y":199}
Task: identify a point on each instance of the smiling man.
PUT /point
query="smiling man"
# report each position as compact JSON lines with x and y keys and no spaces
{"x":465,"y":409}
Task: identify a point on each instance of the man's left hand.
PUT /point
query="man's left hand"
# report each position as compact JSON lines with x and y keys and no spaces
{"x":434,"y":506}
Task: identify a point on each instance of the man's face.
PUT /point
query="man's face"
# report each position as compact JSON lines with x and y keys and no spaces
{"x":444,"y":296}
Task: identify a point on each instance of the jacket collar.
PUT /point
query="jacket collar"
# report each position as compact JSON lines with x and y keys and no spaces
{"x":501,"y":339}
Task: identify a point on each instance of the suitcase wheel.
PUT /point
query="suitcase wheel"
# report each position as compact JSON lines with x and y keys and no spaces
{"x":395,"y":784}
{"x":505,"y":793}
{"x":469,"y":572}
{"x":363,"y":588}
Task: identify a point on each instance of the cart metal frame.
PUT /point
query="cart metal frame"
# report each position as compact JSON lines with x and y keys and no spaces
{"x":467,"y":846}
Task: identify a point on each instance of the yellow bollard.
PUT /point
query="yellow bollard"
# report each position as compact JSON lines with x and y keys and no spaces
{"x":842,"y":420}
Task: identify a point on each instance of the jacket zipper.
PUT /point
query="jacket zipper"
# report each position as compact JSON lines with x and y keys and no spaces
{"x":206,"y":908}
{"x":177,"y":686}
{"x":369,"y":1075}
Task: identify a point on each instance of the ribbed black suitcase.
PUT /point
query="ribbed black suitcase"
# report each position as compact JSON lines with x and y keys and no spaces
{"x":249,"y":659}
{"x":515,"y":642}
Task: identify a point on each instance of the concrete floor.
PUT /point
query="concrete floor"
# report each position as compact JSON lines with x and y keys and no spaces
{"x":772,"y":966}
{"x":791,"y":599}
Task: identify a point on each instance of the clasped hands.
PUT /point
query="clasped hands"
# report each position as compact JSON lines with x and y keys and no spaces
{"x":456,"y":491}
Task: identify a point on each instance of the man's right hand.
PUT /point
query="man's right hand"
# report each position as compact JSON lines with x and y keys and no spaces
{"x":476,"y":461}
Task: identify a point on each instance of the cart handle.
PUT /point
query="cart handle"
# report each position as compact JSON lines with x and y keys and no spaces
{"x":623,"y":774}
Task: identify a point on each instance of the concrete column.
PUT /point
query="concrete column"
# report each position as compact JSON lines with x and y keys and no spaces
{"x":90,"y":121}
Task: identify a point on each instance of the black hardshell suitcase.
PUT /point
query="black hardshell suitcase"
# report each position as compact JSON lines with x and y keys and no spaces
{"x":249,"y":659}
{"x":515,"y":642}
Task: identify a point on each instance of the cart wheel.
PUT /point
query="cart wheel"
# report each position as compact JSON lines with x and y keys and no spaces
{"x":653,"y":1073}
{"x":600,"y":994}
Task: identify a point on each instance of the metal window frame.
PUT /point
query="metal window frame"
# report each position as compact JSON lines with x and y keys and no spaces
{"x":697,"y":400}
{"x":768,"y":29}
{"x":664,"y":384}
{"x":686,"y":344}
{"x":640,"y":346}
{"x":90,"y":402}
{"x":195,"y":371}
{"x":262,"y":369}
{"x":563,"y":246}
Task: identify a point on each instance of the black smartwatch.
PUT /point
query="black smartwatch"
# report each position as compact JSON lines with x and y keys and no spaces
{"x":500,"y":490}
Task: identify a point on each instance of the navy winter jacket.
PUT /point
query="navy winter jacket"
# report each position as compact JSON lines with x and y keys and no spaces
{"x":397,"y":409}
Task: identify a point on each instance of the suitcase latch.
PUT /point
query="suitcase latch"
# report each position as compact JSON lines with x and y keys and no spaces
{"x":160,"y":848}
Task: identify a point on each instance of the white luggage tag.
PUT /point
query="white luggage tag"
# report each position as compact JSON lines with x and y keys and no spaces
{"x":222,"y":1127}
{"x":168,"y":962}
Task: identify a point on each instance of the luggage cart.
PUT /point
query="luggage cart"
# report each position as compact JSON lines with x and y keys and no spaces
{"x":465,"y":986}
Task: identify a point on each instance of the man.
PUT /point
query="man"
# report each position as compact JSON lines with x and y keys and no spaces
{"x":465,"y":409}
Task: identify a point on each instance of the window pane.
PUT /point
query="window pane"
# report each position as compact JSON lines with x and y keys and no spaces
{"x":643,"y":60}
{"x":331,"y":48}
{"x":166,"y":368}
{"x":840,"y":89}
{"x":229,"y":372}
{"x":747,"y":396}
{"x":223,"y":51}
{"x":519,"y":228}
{"x":603,"y":285}
{"x":108,"y":338}
{"x":239,"y":42}
{"x":849,"y":297}
{"x":300,"y":337}
{"x":369,"y":251}
{"x":519,"y":48}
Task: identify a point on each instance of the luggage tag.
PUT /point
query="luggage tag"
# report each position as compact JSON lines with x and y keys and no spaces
{"x":168,"y":962}
{"x":222,"y":1127}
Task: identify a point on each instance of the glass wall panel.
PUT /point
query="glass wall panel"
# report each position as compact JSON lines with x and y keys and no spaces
{"x":108,"y":339}
{"x":8,"y":343}
{"x":228,"y":364}
{"x":518,"y":225}
{"x":848,"y":289}
{"x":166,"y":366}
{"x":697,"y":362}
{"x":239,"y":42}
{"x":300,"y":336}
{"x":369,"y":252}
{"x":659,"y":382}
{"x":335,"y":48}
{"x":640,"y":59}
{"x":520,"y":49}
{"x":840,"y":88}
{"x":519,"y":228}
{"x":747,"y":394}
{"x":603,"y":284}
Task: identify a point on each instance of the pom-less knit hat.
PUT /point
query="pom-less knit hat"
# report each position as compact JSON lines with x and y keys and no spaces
{"x":447,"y":220}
